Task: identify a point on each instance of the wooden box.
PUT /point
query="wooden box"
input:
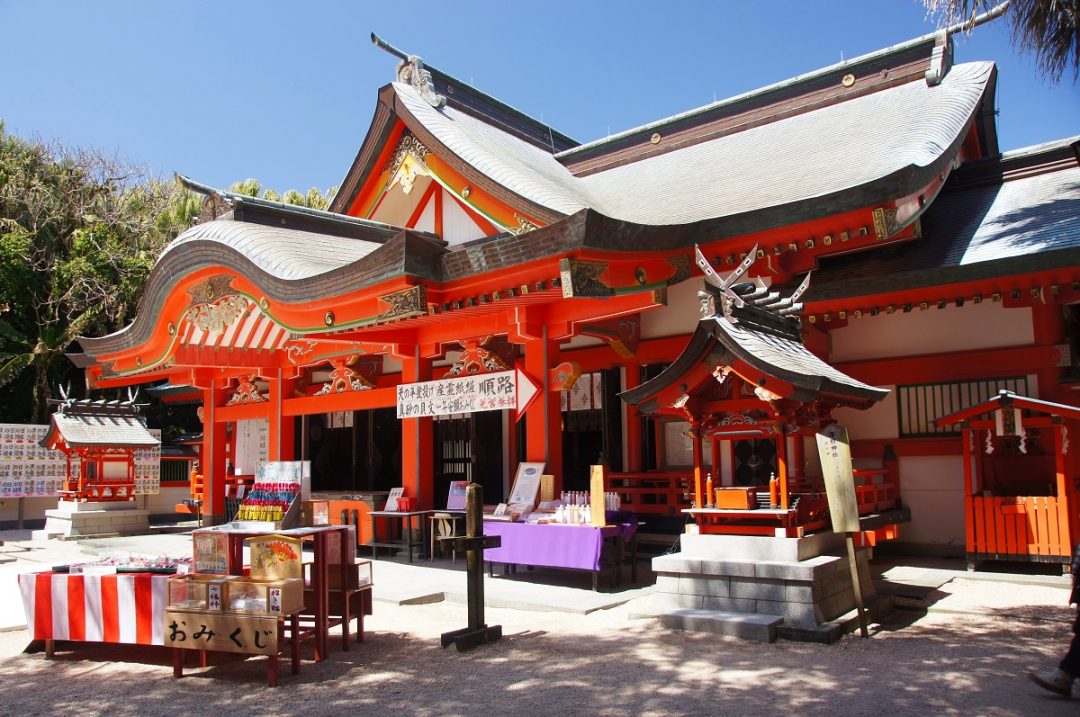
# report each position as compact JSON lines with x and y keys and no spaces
{"x":198,"y":591}
{"x":314,"y":513}
{"x":275,"y":556}
{"x":358,"y":576}
{"x":270,"y":597}
{"x":736,"y":498}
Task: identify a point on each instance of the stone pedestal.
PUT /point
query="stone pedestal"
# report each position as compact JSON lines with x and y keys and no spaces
{"x":757,"y":587}
{"x":72,"y":519}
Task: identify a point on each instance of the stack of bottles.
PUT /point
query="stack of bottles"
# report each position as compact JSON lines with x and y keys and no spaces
{"x":268,"y":501}
{"x":576,"y":508}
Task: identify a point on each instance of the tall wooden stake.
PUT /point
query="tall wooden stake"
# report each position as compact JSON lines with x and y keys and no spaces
{"x":856,"y":583}
{"x":474,"y":542}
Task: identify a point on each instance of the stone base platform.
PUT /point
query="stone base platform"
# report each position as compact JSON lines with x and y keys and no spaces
{"x":759,"y":588}
{"x":71,"y":519}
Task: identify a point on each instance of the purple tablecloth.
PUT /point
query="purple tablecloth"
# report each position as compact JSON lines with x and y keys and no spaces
{"x":552,"y":546}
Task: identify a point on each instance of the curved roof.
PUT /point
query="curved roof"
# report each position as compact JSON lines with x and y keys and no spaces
{"x":895,"y":139}
{"x":282,"y":253}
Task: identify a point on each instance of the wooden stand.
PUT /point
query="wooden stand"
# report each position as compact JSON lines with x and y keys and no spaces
{"x":235,"y":633}
{"x":474,"y":542}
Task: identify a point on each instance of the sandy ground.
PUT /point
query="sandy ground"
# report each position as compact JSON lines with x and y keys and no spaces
{"x":967,"y":655}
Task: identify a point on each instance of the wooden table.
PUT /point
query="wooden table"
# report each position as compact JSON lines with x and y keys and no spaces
{"x":322,"y":538}
{"x":410,"y":522}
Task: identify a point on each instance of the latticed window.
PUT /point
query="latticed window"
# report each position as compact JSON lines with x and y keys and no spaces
{"x":919,"y":404}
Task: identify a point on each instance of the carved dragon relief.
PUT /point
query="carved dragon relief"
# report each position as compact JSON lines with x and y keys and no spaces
{"x":582,"y":278}
{"x":489,"y":355}
{"x":246,"y":392}
{"x":404,"y":304}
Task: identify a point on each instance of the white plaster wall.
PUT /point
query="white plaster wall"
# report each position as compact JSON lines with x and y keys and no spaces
{"x":968,"y":327}
{"x":878,"y":421}
{"x":933,"y":488}
{"x":33,"y":508}
{"x":680,"y":316}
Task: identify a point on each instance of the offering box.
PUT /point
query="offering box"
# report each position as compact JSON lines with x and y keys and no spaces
{"x":358,"y":576}
{"x":198,"y":591}
{"x":274,"y":597}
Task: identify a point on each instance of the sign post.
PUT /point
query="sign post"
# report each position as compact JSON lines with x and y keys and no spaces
{"x":835,"y":453}
{"x":468,"y":394}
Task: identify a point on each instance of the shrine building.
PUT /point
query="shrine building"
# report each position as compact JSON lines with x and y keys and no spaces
{"x":468,"y":238}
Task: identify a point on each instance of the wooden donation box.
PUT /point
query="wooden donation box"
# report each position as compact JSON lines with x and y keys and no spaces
{"x":233,"y":613}
{"x":736,"y":498}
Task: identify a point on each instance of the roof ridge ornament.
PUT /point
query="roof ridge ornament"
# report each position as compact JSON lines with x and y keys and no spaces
{"x":411,"y":72}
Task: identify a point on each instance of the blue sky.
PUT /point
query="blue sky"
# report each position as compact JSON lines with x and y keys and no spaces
{"x":284,"y":92}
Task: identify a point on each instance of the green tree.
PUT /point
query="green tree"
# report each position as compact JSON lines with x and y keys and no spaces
{"x":79,"y":233}
{"x":1048,"y":29}
{"x":314,"y":199}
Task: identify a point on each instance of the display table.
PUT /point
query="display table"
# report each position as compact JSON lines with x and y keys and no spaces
{"x":328,"y":540}
{"x":573,"y":547}
{"x":124,"y":608}
{"x":410,"y":533}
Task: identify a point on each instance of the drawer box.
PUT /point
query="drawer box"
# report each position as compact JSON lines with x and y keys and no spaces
{"x":736,"y":498}
{"x":264,"y":597}
{"x":198,"y":591}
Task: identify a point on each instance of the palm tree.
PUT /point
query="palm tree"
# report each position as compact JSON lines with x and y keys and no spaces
{"x":1049,"y":29}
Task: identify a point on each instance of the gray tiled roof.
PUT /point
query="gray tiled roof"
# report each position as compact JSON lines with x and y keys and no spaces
{"x":785,"y":358}
{"x":90,"y":430}
{"x":280,"y":252}
{"x":891,"y":135}
{"x":979,"y":231}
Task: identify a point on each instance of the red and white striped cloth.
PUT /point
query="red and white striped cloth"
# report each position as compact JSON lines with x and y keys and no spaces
{"x":126,"y":608}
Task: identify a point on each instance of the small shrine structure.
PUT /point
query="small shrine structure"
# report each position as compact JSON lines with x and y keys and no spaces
{"x":1019,"y":497}
{"x":100,"y":439}
{"x":746,"y":371}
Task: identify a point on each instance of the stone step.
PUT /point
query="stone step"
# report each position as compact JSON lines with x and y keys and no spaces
{"x":747,"y":626}
{"x":877,"y":609}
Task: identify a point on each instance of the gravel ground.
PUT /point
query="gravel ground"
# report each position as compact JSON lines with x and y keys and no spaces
{"x":966,"y":655}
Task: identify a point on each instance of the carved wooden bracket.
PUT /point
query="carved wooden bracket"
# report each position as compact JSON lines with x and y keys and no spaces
{"x":246,"y":392}
{"x":564,"y":376}
{"x":489,"y":355}
{"x":622,"y":334}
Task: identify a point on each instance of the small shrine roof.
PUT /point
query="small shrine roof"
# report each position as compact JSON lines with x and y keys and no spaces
{"x":1008,"y":399}
{"x":1013,"y":214}
{"x":749,"y":330}
{"x":98,"y":424}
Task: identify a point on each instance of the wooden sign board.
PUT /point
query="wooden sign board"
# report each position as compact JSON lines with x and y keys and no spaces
{"x":249,"y":634}
{"x":210,"y":552}
{"x":547,"y":488}
{"x":835,"y":453}
{"x":275,"y":556}
{"x":598,"y":514}
{"x":526,"y":484}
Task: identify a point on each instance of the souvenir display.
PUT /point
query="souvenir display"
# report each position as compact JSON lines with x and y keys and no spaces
{"x":275,"y":556}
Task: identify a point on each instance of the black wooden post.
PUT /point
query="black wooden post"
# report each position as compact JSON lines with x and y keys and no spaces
{"x":474,"y":542}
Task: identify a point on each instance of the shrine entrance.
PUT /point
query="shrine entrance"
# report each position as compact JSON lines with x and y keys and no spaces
{"x":469,"y":448}
{"x":753,"y":461}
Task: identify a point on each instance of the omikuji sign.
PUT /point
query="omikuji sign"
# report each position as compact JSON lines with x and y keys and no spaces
{"x":468,"y":394}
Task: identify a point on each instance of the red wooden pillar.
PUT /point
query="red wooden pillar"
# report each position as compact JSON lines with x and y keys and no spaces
{"x":782,"y":466}
{"x":281,"y":426}
{"x":699,"y":466}
{"x":970,"y":514}
{"x":1065,"y":495}
{"x":543,"y":422}
{"x":417,"y":462}
{"x":1048,"y":327}
{"x":214,"y":455}
{"x":632,"y":379}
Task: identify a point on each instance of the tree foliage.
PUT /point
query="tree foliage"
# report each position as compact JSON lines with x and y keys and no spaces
{"x":314,"y":199}
{"x":1048,"y":29}
{"x":79,"y":233}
